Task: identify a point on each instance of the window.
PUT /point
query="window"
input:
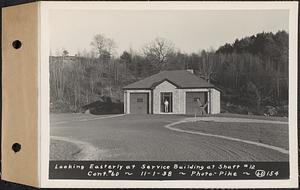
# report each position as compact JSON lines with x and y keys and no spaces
{"x":139,"y":100}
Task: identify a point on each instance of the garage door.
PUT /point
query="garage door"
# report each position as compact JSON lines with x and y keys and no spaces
{"x":192,"y":104}
{"x":139,"y":103}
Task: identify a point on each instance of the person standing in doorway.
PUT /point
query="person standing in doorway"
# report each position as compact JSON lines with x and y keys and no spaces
{"x":166,"y":103}
{"x":201,"y":106}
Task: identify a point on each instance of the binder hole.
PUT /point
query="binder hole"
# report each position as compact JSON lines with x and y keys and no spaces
{"x":16,"y":147}
{"x":17,"y":44}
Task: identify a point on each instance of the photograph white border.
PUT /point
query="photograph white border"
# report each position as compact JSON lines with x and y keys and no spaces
{"x":44,"y":128}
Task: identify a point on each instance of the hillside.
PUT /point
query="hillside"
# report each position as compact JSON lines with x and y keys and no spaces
{"x":251,"y":72}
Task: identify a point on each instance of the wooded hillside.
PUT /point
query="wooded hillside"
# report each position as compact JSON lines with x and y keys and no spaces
{"x":251,"y":72}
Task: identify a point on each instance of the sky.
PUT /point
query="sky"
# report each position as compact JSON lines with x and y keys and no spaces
{"x":190,"y":30}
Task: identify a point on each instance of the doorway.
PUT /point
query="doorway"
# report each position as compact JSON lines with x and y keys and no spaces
{"x":166,"y":102}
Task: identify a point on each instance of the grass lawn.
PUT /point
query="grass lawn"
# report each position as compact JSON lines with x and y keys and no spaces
{"x":62,"y":150}
{"x":232,"y":115}
{"x":271,"y":134}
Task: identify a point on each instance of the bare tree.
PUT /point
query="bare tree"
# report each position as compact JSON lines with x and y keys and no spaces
{"x":157,"y":51}
{"x":126,"y":59}
{"x":65,"y":53}
{"x":259,"y":96}
{"x":207,"y":64}
{"x":103,"y":46}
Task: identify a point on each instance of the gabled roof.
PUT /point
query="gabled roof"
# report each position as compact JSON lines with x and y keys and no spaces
{"x":179,"y":78}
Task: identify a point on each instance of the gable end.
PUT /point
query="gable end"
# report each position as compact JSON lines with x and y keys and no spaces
{"x":158,"y":83}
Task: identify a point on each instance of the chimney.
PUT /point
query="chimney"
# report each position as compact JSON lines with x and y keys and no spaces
{"x":190,"y":70}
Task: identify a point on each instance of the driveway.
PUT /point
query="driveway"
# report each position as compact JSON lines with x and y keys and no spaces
{"x":146,"y":138}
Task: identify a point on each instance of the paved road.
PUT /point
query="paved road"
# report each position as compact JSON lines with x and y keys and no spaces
{"x":144,"y":137}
